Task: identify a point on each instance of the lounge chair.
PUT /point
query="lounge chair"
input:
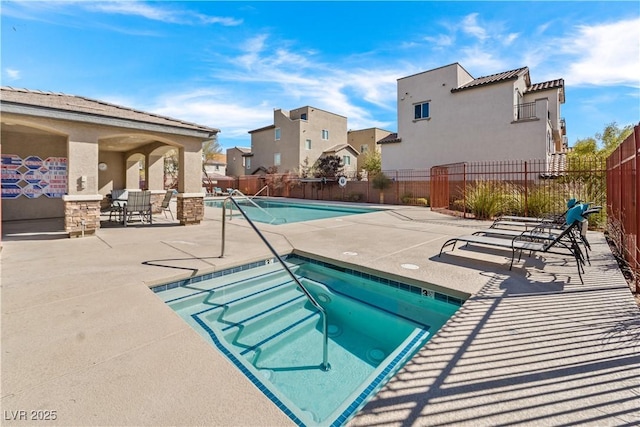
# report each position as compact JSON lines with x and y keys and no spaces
{"x":546,"y":230}
{"x":522,"y":242}
{"x":139,"y":202}
{"x":164,"y":206}
{"x":217,"y":191}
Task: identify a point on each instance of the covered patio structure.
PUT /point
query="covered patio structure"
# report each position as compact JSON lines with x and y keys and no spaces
{"x":62,"y":154}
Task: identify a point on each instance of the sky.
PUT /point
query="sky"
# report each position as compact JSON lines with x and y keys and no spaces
{"x":228,"y":65}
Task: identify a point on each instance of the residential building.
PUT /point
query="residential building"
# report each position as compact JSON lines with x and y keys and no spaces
{"x":238,"y":161}
{"x":366,"y":141}
{"x":300,"y":137}
{"x":447,"y":116}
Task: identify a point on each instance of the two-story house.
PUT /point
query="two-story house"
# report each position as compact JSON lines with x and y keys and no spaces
{"x":366,"y":141}
{"x":238,"y":161}
{"x":300,"y":137}
{"x":445,"y":116}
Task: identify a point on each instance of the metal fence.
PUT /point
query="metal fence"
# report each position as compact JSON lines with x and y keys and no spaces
{"x":623,"y":195}
{"x":522,"y":187}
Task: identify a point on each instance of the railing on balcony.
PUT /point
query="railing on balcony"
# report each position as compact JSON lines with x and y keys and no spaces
{"x":526,"y":111}
{"x":563,"y":126}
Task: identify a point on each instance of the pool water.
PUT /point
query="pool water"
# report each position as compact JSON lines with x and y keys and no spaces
{"x":284,"y":212}
{"x":266,"y":326}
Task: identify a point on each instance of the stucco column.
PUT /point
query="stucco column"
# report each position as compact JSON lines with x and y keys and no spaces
{"x":82,"y":202}
{"x":155,"y":172}
{"x":190,"y":201}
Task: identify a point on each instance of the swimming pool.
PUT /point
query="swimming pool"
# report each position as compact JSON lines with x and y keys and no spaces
{"x":286,"y":212}
{"x":257,"y":317}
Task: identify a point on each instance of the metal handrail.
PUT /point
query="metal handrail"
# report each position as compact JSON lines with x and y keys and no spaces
{"x":260,"y":191}
{"x":312,"y":300}
{"x":250,"y":201}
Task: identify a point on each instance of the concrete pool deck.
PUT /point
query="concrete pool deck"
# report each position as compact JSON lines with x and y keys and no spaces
{"x":84,"y":338}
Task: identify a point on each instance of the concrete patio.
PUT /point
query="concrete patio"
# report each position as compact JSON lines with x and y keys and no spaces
{"x":84,"y":338}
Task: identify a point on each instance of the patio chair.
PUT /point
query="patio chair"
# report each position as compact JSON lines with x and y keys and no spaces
{"x":118,"y":201}
{"x":164,"y":206}
{"x":522,"y":242}
{"x":139,"y":202}
{"x":217,"y":191}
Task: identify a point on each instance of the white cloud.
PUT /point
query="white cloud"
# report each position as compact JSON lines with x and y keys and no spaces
{"x":12,"y":74}
{"x":470,"y":26}
{"x":606,"y":54}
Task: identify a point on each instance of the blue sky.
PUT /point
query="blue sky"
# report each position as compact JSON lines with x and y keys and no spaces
{"x":229,"y":64}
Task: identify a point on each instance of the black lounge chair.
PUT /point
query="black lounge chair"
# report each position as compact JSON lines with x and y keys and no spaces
{"x":566,"y":239}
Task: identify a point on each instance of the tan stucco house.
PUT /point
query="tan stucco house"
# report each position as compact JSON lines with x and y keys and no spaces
{"x":445,"y":116}
{"x":366,"y":141}
{"x":62,"y":154}
{"x":300,"y":137}
{"x":237,"y":163}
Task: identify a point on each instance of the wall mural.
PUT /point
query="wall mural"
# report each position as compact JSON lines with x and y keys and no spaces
{"x":33,"y":177}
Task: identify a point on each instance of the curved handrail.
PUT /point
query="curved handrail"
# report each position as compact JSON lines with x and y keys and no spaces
{"x":260,"y":191}
{"x":250,"y":201}
{"x":312,"y":300}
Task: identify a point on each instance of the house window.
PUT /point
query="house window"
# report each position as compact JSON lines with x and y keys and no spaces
{"x":277,"y":134}
{"x":325,"y":134}
{"x":346,"y":160}
{"x":217,"y":167}
{"x":307,"y":144}
{"x":421,"y":111}
{"x":303,"y":116}
{"x":248,"y":163}
{"x":276,"y":159}
{"x":364,"y":148}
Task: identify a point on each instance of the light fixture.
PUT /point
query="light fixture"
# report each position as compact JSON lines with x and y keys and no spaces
{"x":102,"y":166}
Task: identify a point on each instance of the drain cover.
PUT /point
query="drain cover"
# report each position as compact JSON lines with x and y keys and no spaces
{"x":410,"y":266}
{"x":375,"y":354}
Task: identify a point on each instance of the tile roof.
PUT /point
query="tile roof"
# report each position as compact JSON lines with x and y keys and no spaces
{"x":88,"y":106}
{"x":339,"y":147}
{"x":494,"y":78}
{"x":391,"y":138}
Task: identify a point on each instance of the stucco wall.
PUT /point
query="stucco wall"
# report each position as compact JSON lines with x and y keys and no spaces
{"x":470,"y":125}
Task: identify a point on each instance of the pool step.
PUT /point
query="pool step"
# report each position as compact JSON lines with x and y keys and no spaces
{"x":231,"y":289}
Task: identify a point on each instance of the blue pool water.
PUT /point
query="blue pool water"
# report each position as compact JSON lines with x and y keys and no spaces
{"x":284,"y":212}
{"x":265,"y":325}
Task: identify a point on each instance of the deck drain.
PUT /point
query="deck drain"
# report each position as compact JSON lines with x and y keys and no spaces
{"x":334,"y":330}
{"x":375,"y":355}
{"x":350,"y":253}
{"x":409,"y":266}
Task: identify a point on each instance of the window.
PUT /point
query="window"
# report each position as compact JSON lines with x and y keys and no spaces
{"x":303,"y":116}
{"x":307,"y":144}
{"x":346,"y":160}
{"x":421,"y":111}
{"x":277,"y":134}
{"x":248,"y":163}
{"x":276,"y":159}
{"x":364,"y":148}
{"x":325,"y":134}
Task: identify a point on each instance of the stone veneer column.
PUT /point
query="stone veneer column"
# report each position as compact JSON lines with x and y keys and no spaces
{"x":81,"y":214}
{"x":190,"y":208}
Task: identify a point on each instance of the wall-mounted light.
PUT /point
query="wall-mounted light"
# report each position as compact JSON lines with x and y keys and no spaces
{"x":102,"y":166}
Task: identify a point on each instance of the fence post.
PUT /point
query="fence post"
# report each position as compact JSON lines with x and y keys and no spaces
{"x":636,"y":196}
{"x":464,"y":190}
{"x":526,"y":190}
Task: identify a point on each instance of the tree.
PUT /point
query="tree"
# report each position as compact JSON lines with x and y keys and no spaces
{"x":603,"y":144}
{"x":372,"y":162}
{"x":328,"y":167}
{"x":381,"y":182}
{"x":210,"y":149}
